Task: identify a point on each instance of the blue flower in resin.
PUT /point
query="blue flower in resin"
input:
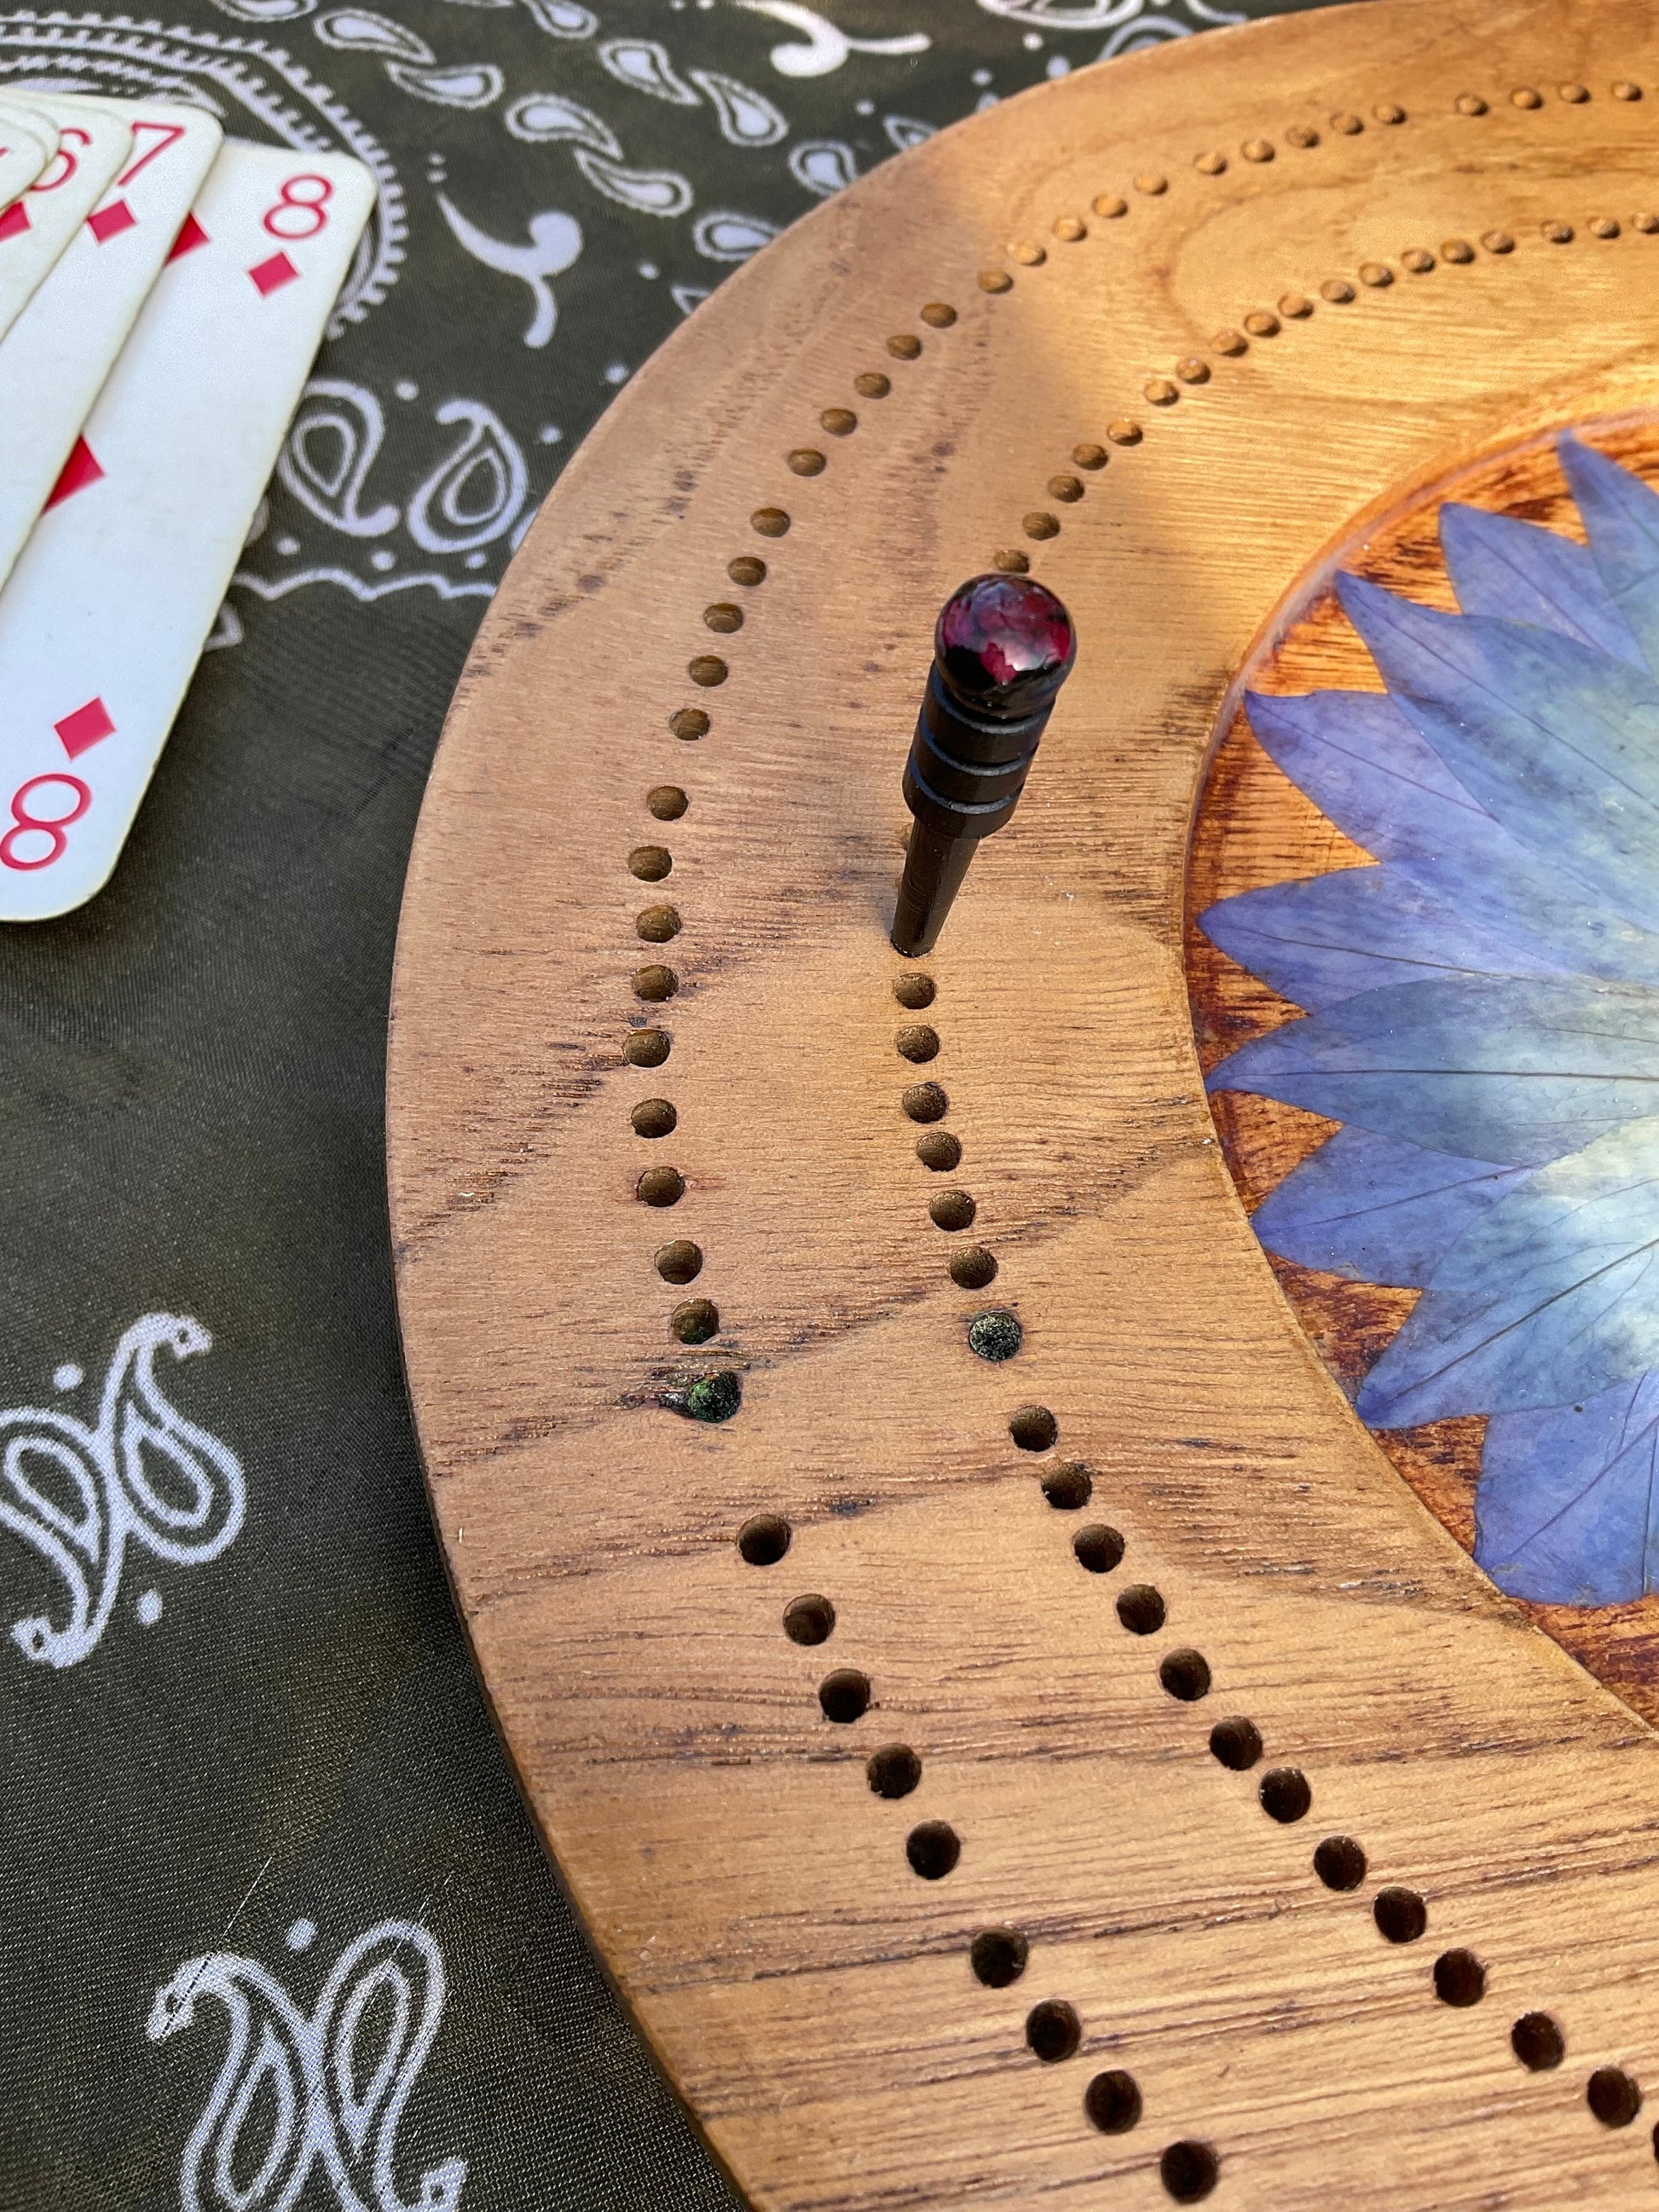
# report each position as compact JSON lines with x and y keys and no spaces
{"x":1483,"y":1018}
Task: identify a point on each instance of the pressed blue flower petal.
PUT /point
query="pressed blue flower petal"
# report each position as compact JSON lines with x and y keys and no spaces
{"x":1362,"y":762}
{"x":1521,"y":573}
{"x":1621,"y":515}
{"x":1559,"y":742}
{"x":1515,"y":1073}
{"x":1359,"y":929}
{"x":1551,"y":1296}
{"x":1365,"y":766}
{"x":1567,"y":1512}
{"x":1377,"y":1210}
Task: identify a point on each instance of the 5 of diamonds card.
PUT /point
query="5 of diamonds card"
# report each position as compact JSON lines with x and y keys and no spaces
{"x":106,"y":611}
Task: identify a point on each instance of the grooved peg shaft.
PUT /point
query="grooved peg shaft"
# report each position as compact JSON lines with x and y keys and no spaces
{"x":1003,"y":646}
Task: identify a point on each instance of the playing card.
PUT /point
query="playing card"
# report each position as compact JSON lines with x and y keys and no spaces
{"x":115,"y":592}
{"x":24,"y":151}
{"x":93,"y":144}
{"x":59,"y":350}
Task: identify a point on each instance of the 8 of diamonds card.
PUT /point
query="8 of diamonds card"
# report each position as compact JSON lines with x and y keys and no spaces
{"x":105,"y":613}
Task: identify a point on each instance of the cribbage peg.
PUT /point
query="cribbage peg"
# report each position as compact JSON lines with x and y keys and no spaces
{"x":1002,"y":647}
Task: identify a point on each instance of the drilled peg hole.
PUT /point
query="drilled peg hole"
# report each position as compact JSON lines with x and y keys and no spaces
{"x":905,"y":345}
{"x":998,"y":1956}
{"x":1337,"y":291}
{"x":972,"y":1268}
{"x":938,"y":315}
{"x":1400,"y":1915}
{"x":917,"y":1042}
{"x":650,"y":863}
{"x":1339,"y":1862}
{"x":1284,"y":1794}
{"x":996,"y":1335}
{"x":1039,"y":526}
{"x":1111,"y":205}
{"x":1457,"y":251}
{"x":1296,"y":306}
{"x":1142,"y":1609}
{"x":1612,"y":2096}
{"x":748,"y":569}
{"x":844,"y":1695}
{"x":894,"y":1771}
{"x":1098,"y":1548}
{"x":1349,"y":125}
{"x":838,"y":422}
{"x":695,"y":1322}
{"x":1011,"y":562}
{"x":933,"y":1850}
{"x":689,"y":724}
{"x":769,"y":521}
{"x":707,"y":669}
{"x":914,"y":989}
{"x":1068,"y":1486}
{"x":680,"y":1261}
{"x":1124,"y":431}
{"x":806,"y":461}
{"x":925,"y":1102}
{"x":952,"y":1210}
{"x":1185,"y":1675}
{"x":1067,"y":489}
{"x":871,"y":384}
{"x":1053,"y":2029}
{"x":1574,"y":94}
{"x":1417,"y":260}
{"x":1261,"y":323}
{"x":1498,"y":242}
{"x":667,"y":802}
{"x":1537,"y":2042}
{"x":1189,"y":2170}
{"x":995,"y":281}
{"x":723,"y":617}
{"x":1470,"y":103}
{"x":660,"y":1186}
{"x":647,"y":1048}
{"x":1302,"y":135}
{"x":939,"y":1151}
{"x":809,"y":1619}
{"x":1089,"y":456}
{"x":1389,"y":111}
{"x":1236,"y":1742}
{"x":654,"y":1117}
{"x":1112,"y":2102}
{"x":1033,"y":1428}
{"x":658,"y":925}
{"x":1460,"y":1978}
{"x":763,"y":1542}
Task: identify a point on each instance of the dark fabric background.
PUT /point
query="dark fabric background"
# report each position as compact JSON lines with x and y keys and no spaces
{"x":193,"y":1066}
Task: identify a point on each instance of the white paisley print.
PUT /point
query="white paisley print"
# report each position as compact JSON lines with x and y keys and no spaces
{"x":323,"y":2092}
{"x":83,"y":1495}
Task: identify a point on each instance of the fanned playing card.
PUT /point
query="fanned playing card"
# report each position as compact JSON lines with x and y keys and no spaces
{"x":24,"y":151}
{"x":112,"y":598}
{"x":94,"y":142}
{"x":57,"y":354}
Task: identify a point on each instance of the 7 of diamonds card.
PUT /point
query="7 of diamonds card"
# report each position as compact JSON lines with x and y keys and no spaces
{"x":112,"y":599}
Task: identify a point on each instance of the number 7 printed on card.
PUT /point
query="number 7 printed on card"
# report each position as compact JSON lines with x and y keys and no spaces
{"x":105,"y":613}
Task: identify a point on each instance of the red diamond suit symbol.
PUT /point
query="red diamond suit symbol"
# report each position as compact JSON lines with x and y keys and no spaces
{"x":87,"y":726}
{"x":270,"y":275}
{"x":190,"y":235}
{"x":83,"y":468}
{"x":108,"y":222}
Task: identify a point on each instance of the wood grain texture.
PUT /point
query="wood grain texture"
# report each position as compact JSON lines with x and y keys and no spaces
{"x":812,"y":1996}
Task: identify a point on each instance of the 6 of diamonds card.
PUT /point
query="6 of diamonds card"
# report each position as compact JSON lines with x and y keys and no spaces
{"x":94,"y":142}
{"x":108,"y":608}
{"x":55,"y":357}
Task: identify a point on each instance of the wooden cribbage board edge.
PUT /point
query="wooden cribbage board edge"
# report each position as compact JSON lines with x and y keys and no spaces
{"x":810,"y":1994}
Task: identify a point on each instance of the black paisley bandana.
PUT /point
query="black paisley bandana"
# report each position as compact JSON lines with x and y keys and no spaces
{"x":256,"y":1819}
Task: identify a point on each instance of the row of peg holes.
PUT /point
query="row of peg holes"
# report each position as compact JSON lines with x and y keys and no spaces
{"x":680,"y":1261}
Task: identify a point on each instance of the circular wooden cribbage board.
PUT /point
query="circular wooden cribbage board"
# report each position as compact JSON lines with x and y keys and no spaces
{"x":1124,"y":1785}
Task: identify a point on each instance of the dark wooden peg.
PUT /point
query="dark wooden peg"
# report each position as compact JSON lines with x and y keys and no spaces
{"x":1003,"y":646}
